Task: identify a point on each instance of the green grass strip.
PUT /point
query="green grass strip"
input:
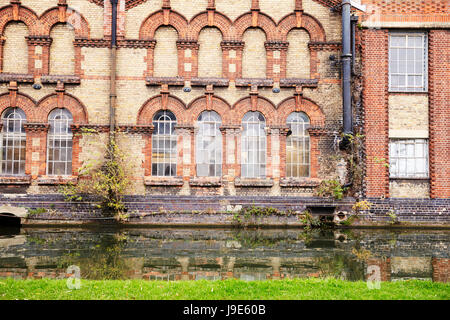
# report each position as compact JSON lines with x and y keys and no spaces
{"x":297,"y":289}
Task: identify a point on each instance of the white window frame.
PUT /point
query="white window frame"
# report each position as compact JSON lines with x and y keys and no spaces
{"x":253,"y":160}
{"x":209,"y":145}
{"x":15,"y":139}
{"x":298,"y":137}
{"x":407,"y":153}
{"x":164,"y":133}
{"x":59,"y":133}
{"x":408,"y":61}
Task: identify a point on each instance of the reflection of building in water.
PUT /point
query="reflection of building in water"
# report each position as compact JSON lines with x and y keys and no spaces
{"x":180,"y":255}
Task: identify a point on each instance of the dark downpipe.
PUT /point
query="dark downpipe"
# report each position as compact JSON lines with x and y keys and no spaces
{"x":113,"y":95}
{"x":346,"y":67}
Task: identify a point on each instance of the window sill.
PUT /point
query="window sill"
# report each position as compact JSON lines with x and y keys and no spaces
{"x":57,"y":180}
{"x":163,"y":181}
{"x":403,"y":92}
{"x":409,"y":178}
{"x":299,"y":182}
{"x":260,"y":82}
{"x":19,"y":180}
{"x":205,"y":182}
{"x":253,"y":182}
{"x":292,"y":82}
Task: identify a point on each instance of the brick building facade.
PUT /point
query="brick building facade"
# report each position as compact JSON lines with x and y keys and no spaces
{"x":221,"y":98}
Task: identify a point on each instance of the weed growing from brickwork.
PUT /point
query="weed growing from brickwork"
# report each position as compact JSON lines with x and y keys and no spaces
{"x":106,"y":180}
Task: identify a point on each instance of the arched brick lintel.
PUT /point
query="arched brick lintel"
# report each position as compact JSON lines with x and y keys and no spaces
{"x":23,"y":101}
{"x":219,"y":105}
{"x":154,"y":104}
{"x":71,"y":103}
{"x":26,"y":15}
{"x":266,"y":23}
{"x":51,"y":17}
{"x":220,"y":21}
{"x":263,"y":105}
{"x":309,"y":23}
{"x":156,"y":20}
{"x":314,"y":112}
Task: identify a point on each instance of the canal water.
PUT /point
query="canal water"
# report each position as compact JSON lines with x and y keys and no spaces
{"x":193,"y":254}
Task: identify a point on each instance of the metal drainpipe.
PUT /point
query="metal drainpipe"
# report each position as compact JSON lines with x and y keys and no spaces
{"x":346,"y":67}
{"x":113,"y":95}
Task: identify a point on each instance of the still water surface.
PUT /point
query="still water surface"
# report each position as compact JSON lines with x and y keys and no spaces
{"x":193,"y":254}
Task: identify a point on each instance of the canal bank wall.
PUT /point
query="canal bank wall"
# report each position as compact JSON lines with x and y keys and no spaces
{"x":228,"y":211}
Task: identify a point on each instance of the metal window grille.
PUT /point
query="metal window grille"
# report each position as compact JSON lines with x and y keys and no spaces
{"x":209,"y":145}
{"x":254,"y":150}
{"x":13,"y":142}
{"x":408,"y":158}
{"x":408,"y":62}
{"x":59,"y":143}
{"x":164,"y":145}
{"x":297,"y":146}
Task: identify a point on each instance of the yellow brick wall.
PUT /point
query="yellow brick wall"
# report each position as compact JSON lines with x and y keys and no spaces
{"x":166,"y":57}
{"x":408,"y":115}
{"x":62,"y":51}
{"x":15,"y":51}
{"x":90,"y":11}
{"x":210,"y":53}
{"x":136,"y":16}
{"x":298,"y":54}
{"x":277,"y":9}
{"x":190,"y":8}
{"x":131,"y":62}
{"x":331,"y":22}
{"x":95,"y":61}
{"x":233,"y":8}
{"x":254,"y":56}
{"x":38,"y":6}
{"x":405,"y":189}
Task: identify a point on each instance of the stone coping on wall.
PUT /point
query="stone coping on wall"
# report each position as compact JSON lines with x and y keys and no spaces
{"x":56,"y":180}
{"x":205,"y":182}
{"x":18,"y":77}
{"x":248,"y":82}
{"x":68,"y":79}
{"x":254,"y":182}
{"x":24,"y":179}
{"x":163,"y":181}
{"x":157,"y":81}
{"x":299,"y":182}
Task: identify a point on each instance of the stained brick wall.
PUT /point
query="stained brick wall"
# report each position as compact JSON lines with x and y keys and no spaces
{"x":375,"y":77}
{"x":439,"y":112}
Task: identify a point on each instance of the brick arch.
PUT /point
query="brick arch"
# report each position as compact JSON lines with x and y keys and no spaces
{"x":27,"y":16}
{"x":314,"y":112}
{"x":154,"y":104}
{"x":309,"y":23}
{"x":71,"y":103}
{"x":156,"y":20}
{"x":265,"y":22}
{"x":200,"y":21}
{"x":51,"y":17}
{"x":23,"y":101}
{"x":219,"y":105}
{"x":263,"y":105}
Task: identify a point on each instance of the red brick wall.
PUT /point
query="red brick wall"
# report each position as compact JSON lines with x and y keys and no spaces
{"x":439,"y":93}
{"x":375,"y":99}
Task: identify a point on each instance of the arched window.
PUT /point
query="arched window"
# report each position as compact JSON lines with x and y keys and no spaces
{"x":164,"y":145}
{"x":209,"y":145}
{"x":297,"y":146}
{"x":13,"y":142}
{"x":59,"y":143}
{"x":254,"y":149}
